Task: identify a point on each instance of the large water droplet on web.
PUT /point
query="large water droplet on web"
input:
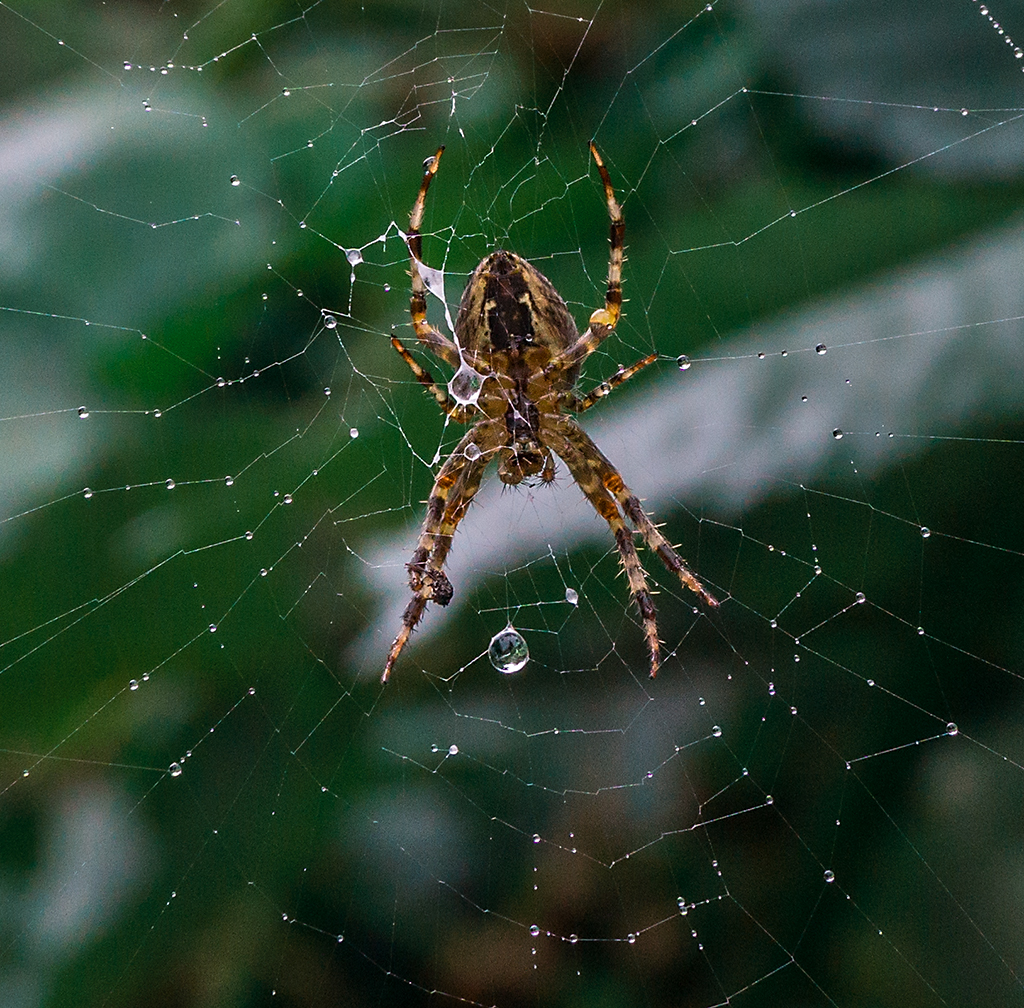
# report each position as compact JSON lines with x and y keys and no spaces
{"x":508,"y":650}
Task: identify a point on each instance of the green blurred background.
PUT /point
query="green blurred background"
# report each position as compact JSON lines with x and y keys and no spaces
{"x":205,"y":795}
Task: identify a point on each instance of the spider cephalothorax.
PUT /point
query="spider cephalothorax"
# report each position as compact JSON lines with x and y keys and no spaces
{"x":518,"y":345}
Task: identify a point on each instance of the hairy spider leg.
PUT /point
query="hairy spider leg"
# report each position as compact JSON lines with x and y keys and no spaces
{"x":604,"y":320}
{"x":656,"y":541}
{"x":458,"y":412}
{"x":436,"y":342}
{"x":590,"y":473}
{"x":593,"y":462}
{"x":453,"y":491}
{"x":633,"y":509}
{"x":580,"y":403}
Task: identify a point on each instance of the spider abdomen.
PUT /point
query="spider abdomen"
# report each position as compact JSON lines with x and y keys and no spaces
{"x":509,"y":305}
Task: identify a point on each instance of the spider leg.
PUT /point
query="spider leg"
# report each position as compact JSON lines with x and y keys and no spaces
{"x":604,"y":320}
{"x":458,"y":412}
{"x":608,"y":317}
{"x":577,"y":404}
{"x":657,"y":542}
{"x":593,"y":472}
{"x":454,"y":489}
{"x":630,"y":504}
{"x":437,"y":343}
{"x":589,"y":478}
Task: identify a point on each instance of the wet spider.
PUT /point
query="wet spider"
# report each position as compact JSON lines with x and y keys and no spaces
{"x":517,"y":355}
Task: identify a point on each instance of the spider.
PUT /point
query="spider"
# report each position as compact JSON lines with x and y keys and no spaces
{"x":517,"y":355}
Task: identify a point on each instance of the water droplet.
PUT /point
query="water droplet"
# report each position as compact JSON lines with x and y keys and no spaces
{"x":534,"y":930}
{"x":170,"y":484}
{"x":536,"y":838}
{"x":353,"y":432}
{"x":871,"y":682}
{"x":773,"y":624}
{"x":127,"y":65}
{"x":87,"y":493}
{"x":263,"y":572}
{"x":472,"y":451}
{"x":354,"y":256}
{"x":249,"y":534}
{"x":925,"y":532}
{"x":829,"y":875}
{"x":83,"y":412}
{"x":133,"y":684}
{"x":213,"y":628}
{"x":631,"y":938}
{"x":760,"y":355}
{"x":387,"y":288}
{"x":951,"y":728}
{"x":229,"y":480}
{"x":453,"y":750}
{"x":771,"y":689}
{"x":465,"y":385}
{"x":572,"y":596}
{"x":508,"y":650}
{"x":175,"y":769}
{"x":235,"y":180}
{"x":330,"y":322}
{"x":837,"y":434}
{"x":683,"y":362}
{"x":821,"y":349}
{"x":287,"y":499}
{"x":920,"y":631}
{"x":769,"y":800}
{"x":157,"y":413}
{"x":221,"y":382}
{"x":716,"y":730}
{"x":573,"y":939}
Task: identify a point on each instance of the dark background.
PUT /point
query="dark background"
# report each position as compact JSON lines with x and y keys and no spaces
{"x":321,"y":844}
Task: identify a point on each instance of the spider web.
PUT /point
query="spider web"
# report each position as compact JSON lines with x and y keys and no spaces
{"x":214,"y":466}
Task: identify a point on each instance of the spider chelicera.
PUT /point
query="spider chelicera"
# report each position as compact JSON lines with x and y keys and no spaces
{"x":518,"y":352}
